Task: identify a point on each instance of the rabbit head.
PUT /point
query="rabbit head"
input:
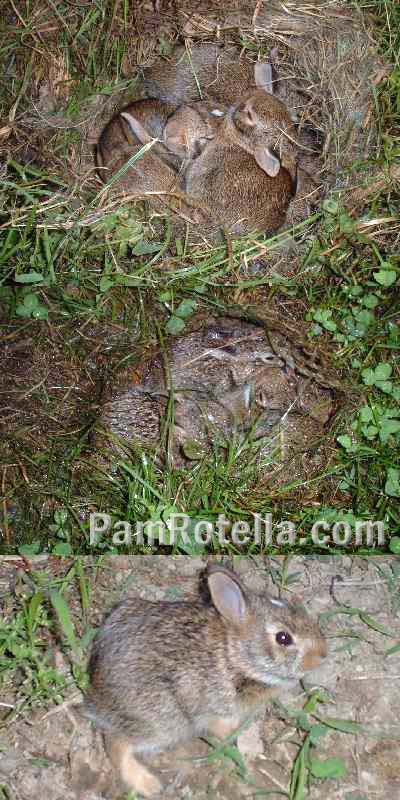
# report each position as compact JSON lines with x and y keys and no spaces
{"x":263,"y":126}
{"x":190,"y":128}
{"x":270,"y":641}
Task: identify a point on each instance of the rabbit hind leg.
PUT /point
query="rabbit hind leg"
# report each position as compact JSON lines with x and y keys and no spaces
{"x":132,"y":772}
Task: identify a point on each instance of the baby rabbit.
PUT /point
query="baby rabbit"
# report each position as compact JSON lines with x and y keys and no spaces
{"x":154,"y":172}
{"x":185,"y":132}
{"x":118,"y":142}
{"x":119,"y":136}
{"x":164,"y":672}
{"x":246,"y":175}
{"x":206,"y":71}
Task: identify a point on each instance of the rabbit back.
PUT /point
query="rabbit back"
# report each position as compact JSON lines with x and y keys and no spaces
{"x":207,"y":71}
{"x":236,"y":190}
{"x":157,"y":667}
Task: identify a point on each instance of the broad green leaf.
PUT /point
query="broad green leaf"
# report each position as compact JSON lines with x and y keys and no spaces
{"x":383,"y":371}
{"x":385,"y":277}
{"x":31,"y":300}
{"x":40,"y":313}
{"x":29,"y":277}
{"x":370,"y":300}
{"x":175,"y":325}
{"x":106,"y":283}
{"x":368,"y":376}
{"x":392,"y":485}
{"x":330,"y":206}
{"x":329,"y":768}
{"x":370,"y":431}
{"x":22,"y":311}
{"x":186,"y":308}
{"x":394,"y":545}
{"x":366,"y":414}
{"x":388,"y":427}
{"x":144,"y":248}
{"x":31,"y":549}
{"x":384,"y":386}
{"x":345,"y":441}
{"x":165,"y":297}
{"x":363,"y":317}
{"x":62,"y":549}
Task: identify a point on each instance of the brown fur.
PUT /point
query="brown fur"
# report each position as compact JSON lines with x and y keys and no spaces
{"x":189,"y":129}
{"x":239,"y":173}
{"x":207,"y":71}
{"x":155,"y":172}
{"x":162,"y":673}
{"x":226,"y":177}
{"x":117,"y":143}
{"x":182,"y":133}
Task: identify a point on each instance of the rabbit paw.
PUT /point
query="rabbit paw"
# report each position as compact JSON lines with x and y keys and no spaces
{"x":136,"y":776}
{"x":132,"y":772}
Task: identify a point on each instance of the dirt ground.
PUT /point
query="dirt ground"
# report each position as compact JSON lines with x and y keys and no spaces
{"x":50,"y":752}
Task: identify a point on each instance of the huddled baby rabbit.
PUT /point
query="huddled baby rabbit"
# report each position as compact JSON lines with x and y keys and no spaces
{"x":182,"y":130}
{"x":206,"y":71}
{"x":176,"y":133}
{"x":164,"y":672}
{"x":118,"y":142}
{"x":234,"y":168}
{"x":246,"y":175}
{"x":186,"y":131}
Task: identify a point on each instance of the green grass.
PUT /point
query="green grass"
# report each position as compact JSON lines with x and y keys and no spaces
{"x":40,"y":616}
{"x":60,"y":275}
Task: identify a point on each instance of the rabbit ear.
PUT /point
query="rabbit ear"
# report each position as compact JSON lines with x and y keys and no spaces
{"x":137,"y":128}
{"x":227,"y":596}
{"x":267,"y":161}
{"x":263,"y":76}
{"x":174,"y":134}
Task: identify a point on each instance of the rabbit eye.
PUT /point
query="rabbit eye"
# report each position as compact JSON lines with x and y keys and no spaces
{"x":284,"y":638}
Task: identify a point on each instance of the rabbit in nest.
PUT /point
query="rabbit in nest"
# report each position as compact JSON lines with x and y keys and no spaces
{"x":181,"y":131}
{"x":205,"y":71}
{"x":164,"y":672}
{"x":178,"y":134}
{"x":247,"y":175}
{"x":184,"y":133}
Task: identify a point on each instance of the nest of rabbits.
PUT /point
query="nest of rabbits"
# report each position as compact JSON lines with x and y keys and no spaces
{"x":249,"y":378}
{"x":323,"y":63}
{"x":324,"y":66}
